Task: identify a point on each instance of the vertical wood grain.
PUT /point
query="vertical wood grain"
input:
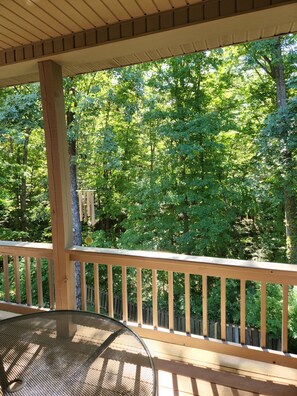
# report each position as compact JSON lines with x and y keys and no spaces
{"x":242,"y":310}
{"x":170,"y":301}
{"x":187,"y":304}
{"x":6,"y":278}
{"x":139,"y":296}
{"x":204,"y":306}
{"x":17,"y":281}
{"x":263,"y":314}
{"x":223,"y":309}
{"x":124,"y":294}
{"x":110,"y":291}
{"x":28,"y":280}
{"x":39,"y":282}
{"x":155,"y":298}
{"x":96,"y":288}
{"x":285,"y":319}
{"x":83,"y":286}
{"x":52,"y":97}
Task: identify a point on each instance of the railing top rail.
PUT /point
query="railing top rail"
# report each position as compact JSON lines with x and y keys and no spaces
{"x":171,"y":261}
{"x":34,"y":249}
{"x":238,"y":269}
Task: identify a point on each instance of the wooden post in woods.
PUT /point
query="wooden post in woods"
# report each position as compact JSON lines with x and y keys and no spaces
{"x":51,"y":85}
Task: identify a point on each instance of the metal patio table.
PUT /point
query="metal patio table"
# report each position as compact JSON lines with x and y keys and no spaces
{"x":73,"y":353}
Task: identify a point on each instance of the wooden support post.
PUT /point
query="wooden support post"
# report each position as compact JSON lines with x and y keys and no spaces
{"x":51,"y":85}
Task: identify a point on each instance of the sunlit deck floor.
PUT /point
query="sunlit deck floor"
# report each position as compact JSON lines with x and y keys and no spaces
{"x":184,"y":371}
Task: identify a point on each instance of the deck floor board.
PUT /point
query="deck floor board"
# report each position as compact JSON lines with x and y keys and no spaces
{"x":185,"y":371}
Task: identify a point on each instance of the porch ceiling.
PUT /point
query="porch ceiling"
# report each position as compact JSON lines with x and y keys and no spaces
{"x":89,"y":35}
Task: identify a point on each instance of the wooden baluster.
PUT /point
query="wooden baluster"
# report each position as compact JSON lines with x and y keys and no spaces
{"x":39,"y":282}
{"x":187,"y":304}
{"x":96,"y":288}
{"x":242,"y":310}
{"x":83,"y":286}
{"x":51,"y":283}
{"x":110,"y":291}
{"x":17,"y":279}
{"x":170,"y":301}
{"x":6,"y":278}
{"x":223,"y":309}
{"x":139,"y":296}
{"x":28,"y":280}
{"x":155,"y":298}
{"x":263,"y":315}
{"x":124,"y":294}
{"x":204,"y":306}
{"x":285,"y":319}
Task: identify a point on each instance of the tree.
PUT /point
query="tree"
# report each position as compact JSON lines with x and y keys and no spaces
{"x":72,"y":132}
{"x":181,"y":125}
{"x":277,"y":142}
{"x":23,"y":167}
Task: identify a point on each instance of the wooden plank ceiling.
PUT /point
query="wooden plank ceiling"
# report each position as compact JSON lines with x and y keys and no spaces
{"x":88,"y":35}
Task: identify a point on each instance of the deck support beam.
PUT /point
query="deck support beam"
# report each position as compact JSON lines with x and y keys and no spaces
{"x":51,"y":85}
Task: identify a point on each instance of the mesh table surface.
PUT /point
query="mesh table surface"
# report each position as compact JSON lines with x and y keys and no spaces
{"x":72,"y":353}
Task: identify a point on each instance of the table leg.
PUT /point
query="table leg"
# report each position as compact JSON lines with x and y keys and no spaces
{"x":3,"y":376}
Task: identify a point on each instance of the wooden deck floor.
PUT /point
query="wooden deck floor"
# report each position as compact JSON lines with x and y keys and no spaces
{"x":184,"y":371}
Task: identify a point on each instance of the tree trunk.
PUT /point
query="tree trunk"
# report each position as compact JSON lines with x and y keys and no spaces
{"x":277,"y":71}
{"x":77,"y":229}
{"x":291,"y":225}
{"x":23,"y":190}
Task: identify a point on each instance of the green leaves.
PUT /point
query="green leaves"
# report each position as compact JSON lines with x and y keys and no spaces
{"x":23,"y":168}
{"x":189,"y":155}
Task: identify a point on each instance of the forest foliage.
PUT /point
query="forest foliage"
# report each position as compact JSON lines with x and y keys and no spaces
{"x":193,"y":155}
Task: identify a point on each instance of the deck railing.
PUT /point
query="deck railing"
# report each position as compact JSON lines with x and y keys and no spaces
{"x":143,"y":276}
{"x":253,"y":334}
{"x":145,"y":269}
{"x":28,"y":276}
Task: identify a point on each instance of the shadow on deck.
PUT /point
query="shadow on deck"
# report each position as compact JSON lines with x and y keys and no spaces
{"x":184,"y":371}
